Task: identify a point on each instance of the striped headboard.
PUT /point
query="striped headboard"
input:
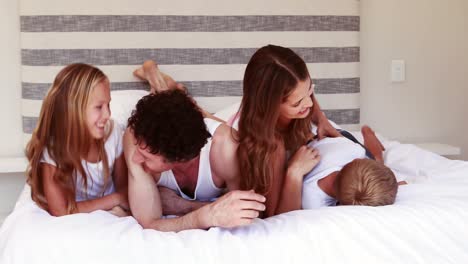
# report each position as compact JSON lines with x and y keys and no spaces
{"x":204,"y":44}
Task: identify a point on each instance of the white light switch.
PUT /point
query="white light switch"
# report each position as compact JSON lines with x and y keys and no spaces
{"x":398,"y":71}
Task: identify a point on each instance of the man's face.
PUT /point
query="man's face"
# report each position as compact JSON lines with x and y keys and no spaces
{"x":151,"y":163}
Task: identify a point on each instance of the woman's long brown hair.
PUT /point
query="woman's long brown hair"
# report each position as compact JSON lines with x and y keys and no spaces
{"x":62,"y":131}
{"x":271,"y":75}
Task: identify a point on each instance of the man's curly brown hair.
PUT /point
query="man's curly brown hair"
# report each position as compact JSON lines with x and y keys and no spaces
{"x":170,"y":124}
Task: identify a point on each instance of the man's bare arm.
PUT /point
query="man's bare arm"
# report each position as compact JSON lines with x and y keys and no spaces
{"x":173,"y":204}
{"x":233,"y":209}
{"x":143,"y":195}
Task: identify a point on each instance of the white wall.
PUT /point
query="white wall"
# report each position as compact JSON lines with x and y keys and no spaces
{"x":429,"y":34}
{"x":432,"y":37}
{"x":10,"y":107}
{"x":11,"y":185}
{"x":10,"y":84}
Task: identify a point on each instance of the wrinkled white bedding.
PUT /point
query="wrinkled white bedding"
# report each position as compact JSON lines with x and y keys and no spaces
{"x":427,"y":224}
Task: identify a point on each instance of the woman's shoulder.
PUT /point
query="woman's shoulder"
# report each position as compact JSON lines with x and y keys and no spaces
{"x":226,"y":134}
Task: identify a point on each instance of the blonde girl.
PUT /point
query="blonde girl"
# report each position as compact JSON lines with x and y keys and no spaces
{"x":76,"y":162}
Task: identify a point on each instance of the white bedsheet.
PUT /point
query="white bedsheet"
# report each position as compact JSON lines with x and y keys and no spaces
{"x":427,"y":224}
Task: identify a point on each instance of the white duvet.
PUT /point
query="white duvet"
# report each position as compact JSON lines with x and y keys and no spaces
{"x":427,"y":224}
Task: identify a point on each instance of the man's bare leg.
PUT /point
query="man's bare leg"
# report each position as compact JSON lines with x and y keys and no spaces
{"x":160,"y":81}
{"x":149,"y":72}
{"x":157,"y":80}
{"x":171,"y":83}
{"x":372,"y":143}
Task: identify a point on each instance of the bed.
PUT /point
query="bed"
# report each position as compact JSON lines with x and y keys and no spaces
{"x":427,"y":224}
{"x":206,"y":46}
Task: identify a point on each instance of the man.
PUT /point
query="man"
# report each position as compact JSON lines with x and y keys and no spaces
{"x":167,"y":143}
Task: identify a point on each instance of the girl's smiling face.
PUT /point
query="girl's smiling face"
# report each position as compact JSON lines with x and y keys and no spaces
{"x":97,"y":110}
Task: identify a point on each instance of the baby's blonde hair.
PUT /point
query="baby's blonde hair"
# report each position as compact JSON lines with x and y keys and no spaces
{"x":365,"y":182}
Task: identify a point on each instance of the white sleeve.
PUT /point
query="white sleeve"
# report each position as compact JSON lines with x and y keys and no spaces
{"x":47,"y":159}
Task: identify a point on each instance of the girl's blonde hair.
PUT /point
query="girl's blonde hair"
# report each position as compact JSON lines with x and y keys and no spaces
{"x":271,"y":76}
{"x":62,"y":131}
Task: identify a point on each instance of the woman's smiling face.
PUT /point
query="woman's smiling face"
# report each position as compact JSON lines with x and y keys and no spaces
{"x":298,"y":104}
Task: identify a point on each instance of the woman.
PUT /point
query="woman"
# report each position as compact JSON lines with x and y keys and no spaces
{"x":277,"y":109}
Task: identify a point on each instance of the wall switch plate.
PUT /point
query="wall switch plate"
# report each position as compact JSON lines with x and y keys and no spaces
{"x":398,"y":71}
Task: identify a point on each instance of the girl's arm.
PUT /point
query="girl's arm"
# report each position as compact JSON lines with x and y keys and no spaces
{"x":303,"y":161}
{"x":56,"y":196}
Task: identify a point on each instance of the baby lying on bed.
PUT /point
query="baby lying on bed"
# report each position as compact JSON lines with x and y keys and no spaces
{"x":345,"y":175}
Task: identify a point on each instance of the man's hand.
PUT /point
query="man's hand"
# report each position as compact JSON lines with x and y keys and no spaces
{"x":233,"y":209}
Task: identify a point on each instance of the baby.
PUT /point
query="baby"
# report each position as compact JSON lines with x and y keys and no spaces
{"x":346,"y":176}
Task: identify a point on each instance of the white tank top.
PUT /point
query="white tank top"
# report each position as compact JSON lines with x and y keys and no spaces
{"x":205,"y":190}
{"x":335,"y":153}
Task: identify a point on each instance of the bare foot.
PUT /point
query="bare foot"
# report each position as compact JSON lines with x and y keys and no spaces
{"x":372,"y":143}
{"x":158,"y":80}
{"x":139,"y":73}
{"x":154,"y":76}
{"x":149,"y":72}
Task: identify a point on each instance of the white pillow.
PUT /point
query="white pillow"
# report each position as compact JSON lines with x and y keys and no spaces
{"x":122,"y":104}
{"x":228,"y":111}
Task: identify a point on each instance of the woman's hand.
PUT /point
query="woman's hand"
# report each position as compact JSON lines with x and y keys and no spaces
{"x":303,"y":161}
{"x":325,"y":128}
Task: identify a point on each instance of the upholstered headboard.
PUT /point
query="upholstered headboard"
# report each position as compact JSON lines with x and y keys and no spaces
{"x":204,"y":44}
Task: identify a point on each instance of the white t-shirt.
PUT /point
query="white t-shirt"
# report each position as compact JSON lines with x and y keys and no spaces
{"x":95,"y":171}
{"x":335,"y":153}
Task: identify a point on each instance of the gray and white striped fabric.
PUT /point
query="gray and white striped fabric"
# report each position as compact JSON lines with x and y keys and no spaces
{"x":203,"y":44}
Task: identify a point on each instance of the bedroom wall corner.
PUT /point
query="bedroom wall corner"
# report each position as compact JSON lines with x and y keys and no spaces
{"x":11,"y":185}
{"x":431,"y":37}
{"x":11,"y":134}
